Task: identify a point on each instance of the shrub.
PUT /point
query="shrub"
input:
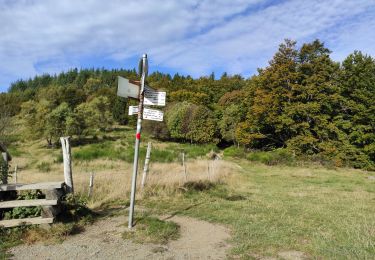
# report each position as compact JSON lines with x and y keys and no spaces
{"x":277,"y":156}
{"x":25,"y":212}
{"x":234,"y":152}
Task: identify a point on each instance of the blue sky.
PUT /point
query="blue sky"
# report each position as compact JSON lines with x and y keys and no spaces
{"x":189,"y":37}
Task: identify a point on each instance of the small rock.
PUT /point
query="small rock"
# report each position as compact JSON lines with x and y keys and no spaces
{"x":371,"y":178}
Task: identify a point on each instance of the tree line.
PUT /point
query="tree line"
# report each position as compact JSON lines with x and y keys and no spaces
{"x":303,"y":102}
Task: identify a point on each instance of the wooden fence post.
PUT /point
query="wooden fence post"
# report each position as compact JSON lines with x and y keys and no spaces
{"x":208,"y":170}
{"x":91,"y":185}
{"x":65,"y":144}
{"x":147,"y":161}
{"x":184,"y":165}
{"x":15,"y":173}
{"x":4,"y":177}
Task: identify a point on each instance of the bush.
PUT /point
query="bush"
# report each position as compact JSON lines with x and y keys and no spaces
{"x":234,"y":152}
{"x":25,"y":212}
{"x":277,"y":156}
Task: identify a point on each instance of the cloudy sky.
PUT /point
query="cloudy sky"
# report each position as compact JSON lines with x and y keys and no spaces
{"x":193,"y":37}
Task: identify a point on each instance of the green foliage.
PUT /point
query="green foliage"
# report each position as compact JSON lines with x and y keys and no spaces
{"x":190,"y":122}
{"x":75,"y":209}
{"x":275,"y":157}
{"x":9,"y":237}
{"x":302,"y":101}
{"x":119,"y":111}
{"x":158,"y":130}
{"x":96,"y":113}
{"x":229,"y":121}
{"x":25,"y":212}
{"x":56,"y":122}
{"x":234,"y":151}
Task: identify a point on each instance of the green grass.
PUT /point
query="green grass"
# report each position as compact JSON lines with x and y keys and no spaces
{"x":324,"y":213}
{"x":9,"y":237}
{"x":150,"y":229}
{"x":124,"y":150}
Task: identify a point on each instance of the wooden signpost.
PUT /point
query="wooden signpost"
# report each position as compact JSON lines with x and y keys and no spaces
{"x":146,"y":96}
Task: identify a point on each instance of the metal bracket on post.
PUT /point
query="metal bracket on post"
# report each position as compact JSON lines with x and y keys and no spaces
{"x":143,"y":70}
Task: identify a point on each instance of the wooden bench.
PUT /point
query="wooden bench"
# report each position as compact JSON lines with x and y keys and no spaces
{"x":50,"y":205}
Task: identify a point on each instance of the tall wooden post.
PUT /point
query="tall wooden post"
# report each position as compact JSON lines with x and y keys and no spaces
{"x":15,"y":173}
{"x":184,"y":165}
{"x":68,"y":176}
{"x":91,"y":184}
{"x":147,"y":161}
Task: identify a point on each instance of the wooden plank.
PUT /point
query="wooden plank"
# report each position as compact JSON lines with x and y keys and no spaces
{"x":32,"y":186}
{"x":25,"y":221}
{"x":26,"y":203}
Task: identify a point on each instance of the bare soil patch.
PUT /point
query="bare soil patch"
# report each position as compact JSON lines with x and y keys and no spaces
{"x":102,"y":240}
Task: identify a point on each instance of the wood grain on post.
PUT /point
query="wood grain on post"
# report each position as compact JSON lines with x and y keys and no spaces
{"x":15,"y":174}
{"x":147,"y":161}
{"x":68,"y":176}
{"x":91,"y":184}
{"x":52,"y":211}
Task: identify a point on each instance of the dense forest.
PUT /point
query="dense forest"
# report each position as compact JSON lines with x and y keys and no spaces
{"x":302,"y":102}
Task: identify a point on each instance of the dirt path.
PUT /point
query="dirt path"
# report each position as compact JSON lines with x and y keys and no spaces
{"x":102,"y":240}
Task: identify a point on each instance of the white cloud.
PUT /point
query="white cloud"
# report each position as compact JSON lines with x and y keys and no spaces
{"x":189,"y":36}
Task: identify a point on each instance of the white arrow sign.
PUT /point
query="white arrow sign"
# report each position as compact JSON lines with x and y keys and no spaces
{"x":148,"y":114}
{"x":133,"y":110}
{"x":126,"y":89}
{"x":152,"y":114}
{"x":154,"y":98}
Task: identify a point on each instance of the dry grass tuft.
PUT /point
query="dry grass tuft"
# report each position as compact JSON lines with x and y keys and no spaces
{"x":113,"y":178}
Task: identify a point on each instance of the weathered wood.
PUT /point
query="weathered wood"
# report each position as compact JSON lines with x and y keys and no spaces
{"x":4,"y":178}
{"x":68,"y":176}
{"x":32,"y":186}
{"x":25,"y":221}
{"x":147,"y":161}
{"x":91,"y":184}
{"x":184,"y":165}
{"x":26,"y":203}
{"x":54,"y":194}
{"x":52,"y":211}
{"x":15,"y":173}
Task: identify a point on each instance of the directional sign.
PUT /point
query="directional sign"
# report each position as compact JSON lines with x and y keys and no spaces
{"x":154,"y":98}
{"x":148,"y":114}
{"x":126,"y":89}
{"x":152,"y":114}
{"x":133,"y":110}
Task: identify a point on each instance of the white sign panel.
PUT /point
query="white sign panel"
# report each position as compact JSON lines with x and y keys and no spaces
{"x":154,"y":98}
{"x":152,"y":114}
{"x":148,"y":114}
{"x":133,"y":110}
{"x":126,"y":89}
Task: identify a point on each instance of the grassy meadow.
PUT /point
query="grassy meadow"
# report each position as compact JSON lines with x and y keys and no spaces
{"x":321,"y":213}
